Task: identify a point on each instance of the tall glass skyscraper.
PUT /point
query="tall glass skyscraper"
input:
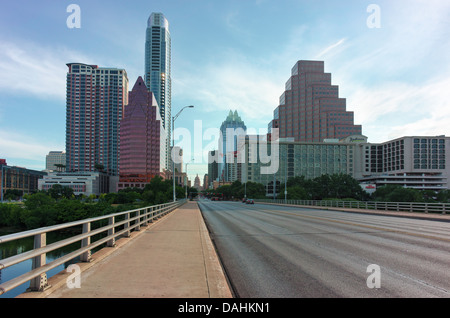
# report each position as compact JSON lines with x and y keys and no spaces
{"x":157,"y":68}
{"x":233,"y":127}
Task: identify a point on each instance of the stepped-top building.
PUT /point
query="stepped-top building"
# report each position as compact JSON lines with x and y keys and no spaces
{"x":142,"y":139}
{"x":310,"y":108}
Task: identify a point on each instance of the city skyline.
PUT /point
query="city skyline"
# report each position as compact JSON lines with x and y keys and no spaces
{"x":226,"y":56}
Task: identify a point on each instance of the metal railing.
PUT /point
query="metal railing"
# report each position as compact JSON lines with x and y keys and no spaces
{"x":442,"y":208}
{"x":130,"y":221}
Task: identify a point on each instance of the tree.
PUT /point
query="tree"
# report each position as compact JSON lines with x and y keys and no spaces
{"x":327,"y":186}
{"x":67,"y":192}
{"x":13,"y":194}
{"x":71,"y":210}
{"x":297,"y":193}
{"x":192,"y":192}
{"x":59,"y":167}
{"x":148,"y":196}
{"x":397,"y":193}
{"x":124,"y":197}
{"x":179,"y":192}
{"x":10,"y":215}
{"x":37,"y":200}
{"x":39,"y":211}
{"x":405,"y":195}
{"x":344,"y":186}
{"x":255,"y":190}
{"x":443,"y":196}
{"x":99,"y":167}
{"x":58,"y":191}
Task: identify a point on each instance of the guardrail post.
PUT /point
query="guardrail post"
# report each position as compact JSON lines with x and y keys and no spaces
{"x":39,"y":283}
{"x":145,"y":217}
{"x":138,"y":220}
{"x":86,"y":256}
{"x":111,"y":231}
{"x":127,"y":225}
{"x":151,"y":214}
{"x":158,"y":211}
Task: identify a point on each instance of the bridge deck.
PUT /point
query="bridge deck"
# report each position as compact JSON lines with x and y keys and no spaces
{"x":171,"y":258}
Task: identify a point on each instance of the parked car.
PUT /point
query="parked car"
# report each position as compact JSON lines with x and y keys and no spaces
{"x":250,"y":201}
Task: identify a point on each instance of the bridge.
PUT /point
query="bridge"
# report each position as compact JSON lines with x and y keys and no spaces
{"x":270,"y":249}
{"x":162,"y":251}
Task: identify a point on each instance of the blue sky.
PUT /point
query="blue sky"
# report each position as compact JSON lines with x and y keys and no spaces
{"x":226,"y":55}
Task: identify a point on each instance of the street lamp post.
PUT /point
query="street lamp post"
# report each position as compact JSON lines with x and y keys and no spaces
{"x":173,"y":146}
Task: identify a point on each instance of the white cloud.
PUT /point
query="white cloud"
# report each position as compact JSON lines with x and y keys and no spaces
{"x":32,"y":69}
{"x":396,"y":109}
{"x":330,"y":48}
{"x":396,"y":78}
{"x":233,"y":83}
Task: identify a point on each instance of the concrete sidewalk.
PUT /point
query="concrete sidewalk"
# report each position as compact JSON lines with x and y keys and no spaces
{"x":171,"y":258}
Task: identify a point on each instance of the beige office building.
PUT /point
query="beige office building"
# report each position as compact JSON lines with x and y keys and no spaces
{"x":414,"y":162}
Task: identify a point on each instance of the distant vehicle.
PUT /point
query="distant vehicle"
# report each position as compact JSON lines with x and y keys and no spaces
{"x":250,"y":201}
{"x":214,"y":199}
{"x":244,"y":200}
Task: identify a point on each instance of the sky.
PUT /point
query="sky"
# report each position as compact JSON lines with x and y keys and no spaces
{"x":390,"y":60}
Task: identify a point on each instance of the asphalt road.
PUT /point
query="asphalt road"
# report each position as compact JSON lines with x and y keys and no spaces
{"x":289,"y":252}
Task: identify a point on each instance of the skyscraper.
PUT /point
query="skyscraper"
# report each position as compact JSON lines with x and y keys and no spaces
{"x":94,"y":108}
{"x":231,"y":129}
{"x":310,"y":108}
{"x":213,"y":166}
{"x":142,"y":137}
{"x":158,"y":68}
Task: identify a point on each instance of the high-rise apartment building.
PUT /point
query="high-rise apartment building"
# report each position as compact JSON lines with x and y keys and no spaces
{"x":94,"y":108}
{"x":231,"y":130}
{"x":158,"y":68}
{"x":310,"y":108}
{"x":142,"y":139}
